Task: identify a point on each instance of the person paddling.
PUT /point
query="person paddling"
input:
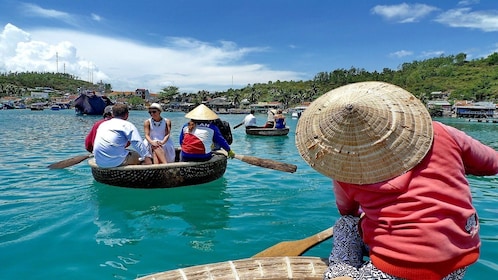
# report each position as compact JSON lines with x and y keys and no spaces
{"x":399,"y":181}
{"x":249,"y":121}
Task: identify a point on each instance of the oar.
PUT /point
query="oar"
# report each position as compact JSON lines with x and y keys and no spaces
{"x":238,"y":125}
{"x":267,"y":163}
{"x":261,"y":162}
{"x":69,"y":162}
{"x":296,"y":247}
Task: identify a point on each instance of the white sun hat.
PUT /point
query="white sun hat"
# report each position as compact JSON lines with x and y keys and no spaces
{"x":156,"y":106}
{"x":364,"y":133}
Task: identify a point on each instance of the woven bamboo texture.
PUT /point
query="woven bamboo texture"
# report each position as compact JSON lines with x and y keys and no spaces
{"x":274,"y":268}
{"x":267,"y":131}
{"x":166,"y":175}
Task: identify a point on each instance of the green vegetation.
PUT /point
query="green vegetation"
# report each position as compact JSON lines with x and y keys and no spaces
{"x":18,"y":84}
{"x":475,"y":80}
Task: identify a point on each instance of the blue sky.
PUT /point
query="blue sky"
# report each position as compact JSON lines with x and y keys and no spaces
{"x":216,"y":45}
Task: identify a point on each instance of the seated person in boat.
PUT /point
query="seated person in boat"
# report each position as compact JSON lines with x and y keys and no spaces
{"x":200,"y":135}
{"x":224,"y":127}
{"x":157,"y":136}
{"x":90,"y":138}
{"x":249,"y":120}
{"x":270,"y":121}
{"x":279,"y":120}
{"x":400,"y":183}
{"x":112,"y":138}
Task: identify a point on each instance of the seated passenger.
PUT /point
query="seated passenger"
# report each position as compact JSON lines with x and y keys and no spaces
{"x":199,"y":135}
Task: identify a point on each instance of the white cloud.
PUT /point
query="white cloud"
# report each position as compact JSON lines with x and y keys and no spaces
{"x":401,"y":53}
{"x":96,"y":17}
{"x":403,"y":13}
{"x":187,"y":63}
{"x":464,"y":17}
{"x":37,"y":11}
{"x":432,"y":54}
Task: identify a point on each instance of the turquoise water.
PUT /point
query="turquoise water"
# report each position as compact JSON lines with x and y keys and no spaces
{"x":61,"y":224}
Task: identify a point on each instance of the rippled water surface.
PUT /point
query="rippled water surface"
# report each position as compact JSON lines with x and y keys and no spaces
{"x":61,"y":224}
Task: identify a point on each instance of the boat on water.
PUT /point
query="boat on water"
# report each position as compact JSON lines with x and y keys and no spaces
{"x":38,"y":106}
{"x":55,"y":107}
{"x":297,"y":111}
{"x":89,"y":103}
{"x":166,"y":175}
{"x":310,"y":268}
{"x":262,"y":131}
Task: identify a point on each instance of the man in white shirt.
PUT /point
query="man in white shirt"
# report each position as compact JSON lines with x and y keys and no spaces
{"x":249,"y":121}
{"x":113,"y":136}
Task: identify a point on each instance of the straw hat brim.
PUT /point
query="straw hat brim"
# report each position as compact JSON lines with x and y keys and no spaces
{"x":364,"y":133}
{"x":203,"y":113}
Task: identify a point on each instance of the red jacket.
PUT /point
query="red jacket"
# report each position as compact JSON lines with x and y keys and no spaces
{"x":90,"y":138}
{"x":415,"y":223}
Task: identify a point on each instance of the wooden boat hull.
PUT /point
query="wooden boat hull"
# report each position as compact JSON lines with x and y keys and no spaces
{"x":267,"y":131}
{"x":309,"y":268}
{"x":91,"y":104}
{"x":168,"y":175}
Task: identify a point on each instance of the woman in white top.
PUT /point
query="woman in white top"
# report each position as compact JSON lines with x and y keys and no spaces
{"x":157,"y":136}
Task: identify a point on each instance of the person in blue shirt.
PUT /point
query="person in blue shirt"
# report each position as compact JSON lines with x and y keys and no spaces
{"x":200,"y":135}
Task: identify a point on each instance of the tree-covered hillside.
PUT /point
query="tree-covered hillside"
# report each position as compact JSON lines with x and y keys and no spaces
{"x":19,"y":83}
{"x":475,"y":80}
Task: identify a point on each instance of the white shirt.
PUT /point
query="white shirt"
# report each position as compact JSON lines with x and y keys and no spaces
{"x":250,"y":120}
{"x":109,"y":148}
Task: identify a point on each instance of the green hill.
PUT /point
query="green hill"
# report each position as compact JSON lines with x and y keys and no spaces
{"x":475,"y":80}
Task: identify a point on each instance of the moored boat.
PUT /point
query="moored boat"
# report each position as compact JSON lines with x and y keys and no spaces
{"x":38,"y":106}
{"x":310,"y":268}
{"x":167,"y":175}
{"x":88,"y":103}
{"x":267,"y":131}
{"x":55,"y":107}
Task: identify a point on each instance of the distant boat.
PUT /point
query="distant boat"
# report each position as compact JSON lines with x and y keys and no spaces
{"x":297,"y":111}
{"x":261,"y":131}
{"x":88,"y":103}
{"x":37,"y":106}
{"x":55,"y":107}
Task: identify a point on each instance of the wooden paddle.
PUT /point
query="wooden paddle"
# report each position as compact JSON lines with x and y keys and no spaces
{"x":296,"y":247}
{"x":238,"y":125}
{"x":267,"y":163}
{"x":261,"y":162}
{"x":69,"y":162}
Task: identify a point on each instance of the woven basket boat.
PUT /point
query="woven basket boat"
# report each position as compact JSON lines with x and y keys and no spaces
{"x":168,"y":175}
{"x":267,"y":131}
{"x":274,"y":268}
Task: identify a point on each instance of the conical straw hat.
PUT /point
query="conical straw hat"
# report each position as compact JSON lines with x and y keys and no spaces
{"x":364,"y":133}
{"x":202,"y":113}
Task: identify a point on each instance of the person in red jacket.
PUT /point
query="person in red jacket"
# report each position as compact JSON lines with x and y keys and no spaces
{"x":90,"y":138}
{"x":200,"y":135}
{"x":399,"y":180}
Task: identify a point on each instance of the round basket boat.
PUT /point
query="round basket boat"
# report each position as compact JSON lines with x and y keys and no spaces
{"x":274,"y":268}
{"x":168,"y":175}
{"x":267,"y":131}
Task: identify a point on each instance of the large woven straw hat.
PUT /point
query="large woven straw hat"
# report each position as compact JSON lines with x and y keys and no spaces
{"x":202,"y":113}
{"x":364,"y":133}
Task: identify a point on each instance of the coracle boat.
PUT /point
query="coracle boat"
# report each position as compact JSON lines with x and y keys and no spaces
{"x":267,"y":131}
{"x":167,"y":175}
{"x":309,"y":268}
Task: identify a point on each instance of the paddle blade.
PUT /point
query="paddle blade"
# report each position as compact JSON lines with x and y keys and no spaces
{"x":268,"y":163}
{"x":69,"y":162}
{"x":297,"y":247}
